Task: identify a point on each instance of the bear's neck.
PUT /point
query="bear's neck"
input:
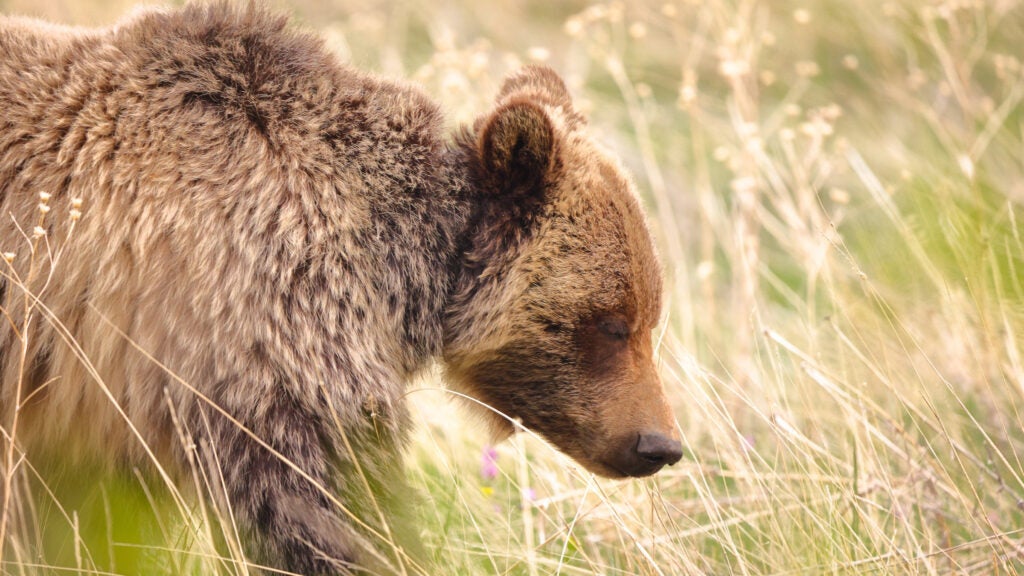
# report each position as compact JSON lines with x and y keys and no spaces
{"x":461,"y":273}
{"x":474,"y":268}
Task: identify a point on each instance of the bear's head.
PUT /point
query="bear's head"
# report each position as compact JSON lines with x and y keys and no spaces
{"x":551,"y":321}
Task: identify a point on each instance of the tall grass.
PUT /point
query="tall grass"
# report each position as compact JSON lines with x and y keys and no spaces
{"x":836,"y":189}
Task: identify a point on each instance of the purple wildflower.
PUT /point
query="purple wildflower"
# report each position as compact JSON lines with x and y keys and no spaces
{"x":489,"y":464}
{"x":748,"y":443}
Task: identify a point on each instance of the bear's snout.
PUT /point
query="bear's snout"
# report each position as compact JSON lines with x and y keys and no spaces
{"x":646,"y":453}
{"x":659,"y":449}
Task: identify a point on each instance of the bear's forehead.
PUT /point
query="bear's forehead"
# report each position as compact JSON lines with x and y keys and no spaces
{"x":599,"y":235}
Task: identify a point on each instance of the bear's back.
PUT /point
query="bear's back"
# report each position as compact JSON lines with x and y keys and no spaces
{"x":236,"y":70}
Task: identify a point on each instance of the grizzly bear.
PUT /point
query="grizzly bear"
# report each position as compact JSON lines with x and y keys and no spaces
{"x":224,"y":248}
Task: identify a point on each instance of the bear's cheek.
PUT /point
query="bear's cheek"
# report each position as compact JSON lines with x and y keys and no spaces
{"x":534,"y":383}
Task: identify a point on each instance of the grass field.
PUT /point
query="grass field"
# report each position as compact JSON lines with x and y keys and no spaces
{"x":836,"y":188}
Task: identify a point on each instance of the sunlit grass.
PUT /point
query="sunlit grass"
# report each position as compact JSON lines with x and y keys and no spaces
{"x":836,"y":190}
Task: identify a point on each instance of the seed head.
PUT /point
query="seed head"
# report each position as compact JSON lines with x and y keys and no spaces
{"x":839,"y":196}
{"x":538,"y":54}
{"x":734,"y":68}
{"x":966,"y":165}
{"x":574,"y":27}
{"x":687,"y":96}
{"x":807,"y":69}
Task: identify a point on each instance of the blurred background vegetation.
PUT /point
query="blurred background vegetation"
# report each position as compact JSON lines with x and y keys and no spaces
{"x":836,"y":189}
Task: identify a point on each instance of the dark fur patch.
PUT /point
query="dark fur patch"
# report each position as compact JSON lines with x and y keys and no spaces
{"x":516,"y":146}
{"x":38,"y":374}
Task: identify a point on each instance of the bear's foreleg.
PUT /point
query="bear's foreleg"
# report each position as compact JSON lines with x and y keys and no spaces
{"x":278,"y":487}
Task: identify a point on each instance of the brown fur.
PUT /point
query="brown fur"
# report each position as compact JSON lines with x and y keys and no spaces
{"x":292,"y":238}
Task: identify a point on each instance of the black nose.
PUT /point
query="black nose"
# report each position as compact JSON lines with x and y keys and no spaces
{"x":658,"y":449}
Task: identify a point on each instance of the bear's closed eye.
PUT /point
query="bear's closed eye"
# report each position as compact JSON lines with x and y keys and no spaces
{"x":614,"y":327}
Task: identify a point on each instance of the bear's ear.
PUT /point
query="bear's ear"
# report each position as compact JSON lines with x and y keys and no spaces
{"x":537,"y":82}
{"x":517,"y":145}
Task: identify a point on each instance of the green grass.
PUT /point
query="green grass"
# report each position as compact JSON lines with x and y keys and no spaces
{"x":836,"y":189}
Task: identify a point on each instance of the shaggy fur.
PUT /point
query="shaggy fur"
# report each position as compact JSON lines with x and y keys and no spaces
{"x":293,"y":239}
